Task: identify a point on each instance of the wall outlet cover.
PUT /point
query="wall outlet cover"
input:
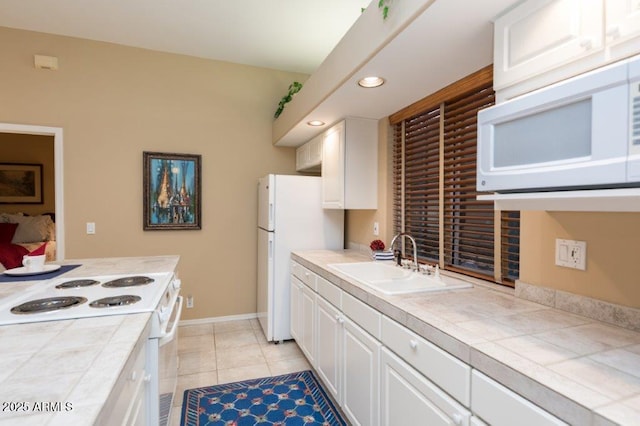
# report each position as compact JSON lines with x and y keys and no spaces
{"x":571,"y":254}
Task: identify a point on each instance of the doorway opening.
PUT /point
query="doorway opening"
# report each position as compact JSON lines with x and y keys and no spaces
{"x":54,"y":133}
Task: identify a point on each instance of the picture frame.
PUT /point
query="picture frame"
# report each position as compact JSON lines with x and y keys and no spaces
{"x":172,"y":191}
{"x":21,"y":183}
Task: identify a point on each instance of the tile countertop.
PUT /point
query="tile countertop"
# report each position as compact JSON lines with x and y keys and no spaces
{"x":583,"y":371}
{"x":69,"y":365}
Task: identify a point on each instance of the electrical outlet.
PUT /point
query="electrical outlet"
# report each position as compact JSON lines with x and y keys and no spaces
{"x":189,"y":301}
{"x":571,"y":254}
{"x":376,"y":229}
{"x":91,"y":228}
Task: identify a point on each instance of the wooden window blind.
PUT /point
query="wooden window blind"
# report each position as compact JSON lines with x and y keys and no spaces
{"x":434,"y":180}
{"x":468,"y":223}
{"x":510,"y":246}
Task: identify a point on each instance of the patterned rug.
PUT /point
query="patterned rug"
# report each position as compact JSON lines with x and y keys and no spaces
{"x":291,"y":399}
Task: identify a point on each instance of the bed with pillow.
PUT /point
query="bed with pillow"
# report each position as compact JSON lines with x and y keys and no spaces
{"x":22,"y":234}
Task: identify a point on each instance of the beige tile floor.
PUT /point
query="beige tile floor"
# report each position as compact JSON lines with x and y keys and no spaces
{"x":224,"y":352}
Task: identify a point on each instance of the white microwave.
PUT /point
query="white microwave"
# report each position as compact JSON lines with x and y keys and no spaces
{"x":581,"y":133}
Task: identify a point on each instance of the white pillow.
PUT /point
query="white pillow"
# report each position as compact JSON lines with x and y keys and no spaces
{"x":31,"y":229}
{"x":9,"y":217}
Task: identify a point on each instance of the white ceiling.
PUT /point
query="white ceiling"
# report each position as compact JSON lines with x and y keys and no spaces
{"x":446,"y":41}
{"x":289,"y":35}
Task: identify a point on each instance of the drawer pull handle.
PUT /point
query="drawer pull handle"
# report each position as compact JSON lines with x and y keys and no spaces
{"x":341,"y":320}
{"x":613,"y":32}
{"x":586,"y":43}
{"x":457,"y":418}
{"x":413,"y":344}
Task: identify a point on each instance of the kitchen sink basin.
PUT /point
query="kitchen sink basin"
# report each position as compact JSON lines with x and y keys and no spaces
{"x":390,"y":279}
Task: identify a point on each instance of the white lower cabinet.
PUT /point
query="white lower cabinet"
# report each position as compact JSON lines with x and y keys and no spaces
{"x":498,"y":406}
{"x":381,"y":373}
{"x":361,"y":357}
{"x":440,"y":367}
{"x":302,"y":302}
{"x":307,"y":315}
{"x":295,"y":296}
{"x":328,"y":357}
{"x":408,"y":398}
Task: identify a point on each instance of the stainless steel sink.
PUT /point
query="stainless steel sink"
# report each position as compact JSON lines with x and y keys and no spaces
{"x":388,"y":278}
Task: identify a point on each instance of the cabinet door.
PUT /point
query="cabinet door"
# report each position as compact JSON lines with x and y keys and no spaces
{"x":328,"y":356}
{"x":622,"y":28}
{"x":296,"y":299}
{"x":315,"y":152}
{"x":498,"y":405}
{"x":360,"y":396}
{"x":309,"y":155}
{"x":408,"y":398}
{"x":333,"y":146}
{"x":541,"y":35}
{"x":307,"y":318}
{"x":302,"y":157}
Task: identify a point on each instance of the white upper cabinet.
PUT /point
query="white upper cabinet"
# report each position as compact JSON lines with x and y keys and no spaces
{"x":540,"y":42}
{"x":309,"y":156}
{"x":350,"y":165}
{"x":622,"y":28}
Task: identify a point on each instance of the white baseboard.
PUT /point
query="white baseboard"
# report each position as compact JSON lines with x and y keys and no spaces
{"x":217,"y":319}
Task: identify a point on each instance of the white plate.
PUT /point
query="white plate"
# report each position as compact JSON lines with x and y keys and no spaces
{"x":24,"y":271}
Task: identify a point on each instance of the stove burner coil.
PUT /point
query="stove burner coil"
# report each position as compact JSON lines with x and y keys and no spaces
{"x":77,"y":284}
{"x":108,"y":302}
{"x":128,"y":282}
{"x":47,"y":305}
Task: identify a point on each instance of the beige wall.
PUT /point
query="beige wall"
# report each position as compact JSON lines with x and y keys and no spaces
{"x":115,"y":102}
{"x":31,"y":149}
{"x":613,"y":268}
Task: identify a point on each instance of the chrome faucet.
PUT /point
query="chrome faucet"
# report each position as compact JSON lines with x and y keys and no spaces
{"x":415,"y":249}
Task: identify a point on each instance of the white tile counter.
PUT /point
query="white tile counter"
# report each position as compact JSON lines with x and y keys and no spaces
{"x":62,"y":372}
{"x":583,"y":371}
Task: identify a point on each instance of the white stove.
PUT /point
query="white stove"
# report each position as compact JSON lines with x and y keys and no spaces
{"x":76,"y":297}
{"x":81,"y":297}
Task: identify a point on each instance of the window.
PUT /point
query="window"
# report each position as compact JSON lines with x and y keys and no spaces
{"x":434,"y":180}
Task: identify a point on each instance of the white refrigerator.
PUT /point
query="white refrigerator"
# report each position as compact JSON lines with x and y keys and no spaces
{"x":290,"y":217}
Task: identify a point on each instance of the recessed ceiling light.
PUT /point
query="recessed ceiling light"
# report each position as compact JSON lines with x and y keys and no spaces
{"x":315,"y":123}
{"x":369,"y":82}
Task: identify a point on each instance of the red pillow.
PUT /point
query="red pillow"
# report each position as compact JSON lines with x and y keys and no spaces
{"x":39,"y":251}
{"x":11,"y":255}
{"x":7,"y":231}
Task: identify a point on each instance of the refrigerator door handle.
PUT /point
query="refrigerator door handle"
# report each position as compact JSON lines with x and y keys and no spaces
{"x":271,"y":225}
{"x":270,"y":248}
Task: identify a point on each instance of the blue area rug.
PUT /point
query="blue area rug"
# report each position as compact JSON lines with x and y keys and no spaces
{"x":291,"y":399}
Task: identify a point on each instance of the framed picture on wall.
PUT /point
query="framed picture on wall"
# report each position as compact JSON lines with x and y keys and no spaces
{"x":20,"y":183}
{"x":172,"y":193}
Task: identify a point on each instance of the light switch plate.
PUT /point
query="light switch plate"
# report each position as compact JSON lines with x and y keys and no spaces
{"x":571,"y":254}
{"x":91,"y":228}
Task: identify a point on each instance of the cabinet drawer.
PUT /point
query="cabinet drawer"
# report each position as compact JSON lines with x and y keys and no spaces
{"x":497,"y":405}
{"x":307,"y":277}
{"x":329,"y":291}
{"x":407,"y":396}
{"x":361,"y":314}
{"x":445,"y":370}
